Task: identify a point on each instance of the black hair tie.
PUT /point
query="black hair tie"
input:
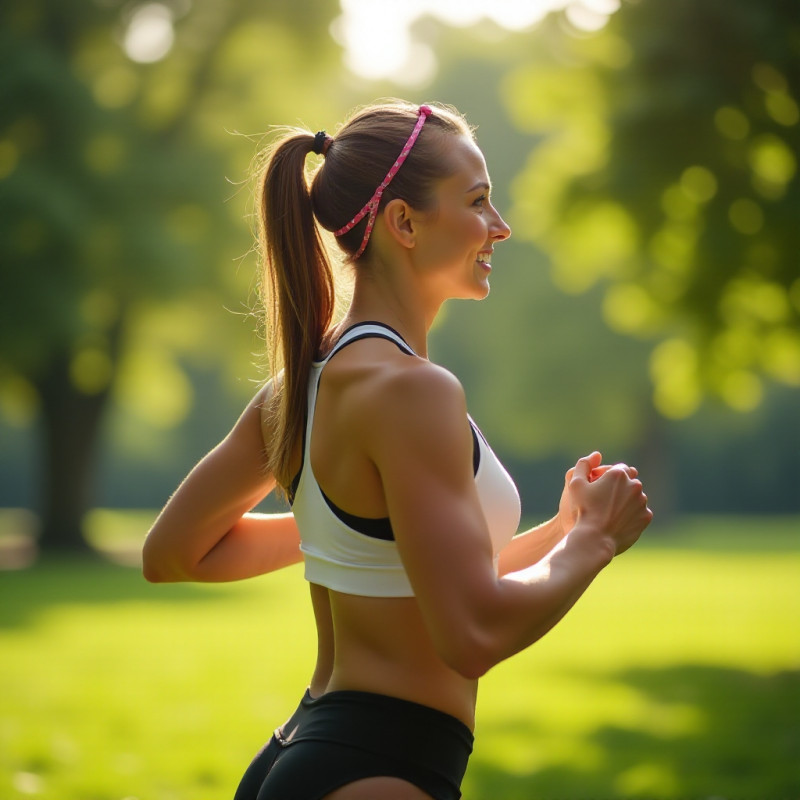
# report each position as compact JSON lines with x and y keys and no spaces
{"x":321,"y":143}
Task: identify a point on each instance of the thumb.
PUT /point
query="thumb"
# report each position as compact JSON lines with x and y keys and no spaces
{"x":585,"y":465}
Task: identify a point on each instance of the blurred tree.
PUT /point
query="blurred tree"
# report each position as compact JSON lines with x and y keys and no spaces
{"x":666,"y":168}
{"x":114,"y":143}
{"x":547,"y":380}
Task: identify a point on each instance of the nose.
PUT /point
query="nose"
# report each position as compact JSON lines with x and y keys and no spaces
{"x":499,"y":229}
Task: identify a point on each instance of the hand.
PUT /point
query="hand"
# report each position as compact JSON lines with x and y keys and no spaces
{"x":567,"y":511}
{"x":609,"y":497}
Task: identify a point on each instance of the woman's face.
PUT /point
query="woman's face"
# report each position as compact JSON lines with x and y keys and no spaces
{"x":455,"y":240}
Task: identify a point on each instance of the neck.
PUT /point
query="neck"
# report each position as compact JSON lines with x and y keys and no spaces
{"x":376,"y":297}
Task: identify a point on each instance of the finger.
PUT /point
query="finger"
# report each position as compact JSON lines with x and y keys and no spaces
{"x":619,"y":467}
{"x":598,"y":472}
{"x":603,"y":468}
{"x":585,"y":465}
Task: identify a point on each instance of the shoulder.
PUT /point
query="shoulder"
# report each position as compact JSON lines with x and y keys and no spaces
{"x":420,"y":382}
{"x":413,"y":410}
{"x":400,"y":386}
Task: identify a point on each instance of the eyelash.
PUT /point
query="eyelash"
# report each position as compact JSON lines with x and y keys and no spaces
{"x":481,"y":200}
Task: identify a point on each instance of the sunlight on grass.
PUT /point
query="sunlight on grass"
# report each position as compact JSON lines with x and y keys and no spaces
{"x":674,"y":677}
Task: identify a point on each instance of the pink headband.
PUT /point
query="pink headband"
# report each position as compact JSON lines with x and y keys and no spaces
{"x":371,"y":207}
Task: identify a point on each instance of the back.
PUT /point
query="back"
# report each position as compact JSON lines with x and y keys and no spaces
{"x":382,"y":643}
{"x":347,"y":537}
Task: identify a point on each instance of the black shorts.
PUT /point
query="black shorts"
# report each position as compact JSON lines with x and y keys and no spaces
{"x":260,"y":766}
{"x":346,"y":736}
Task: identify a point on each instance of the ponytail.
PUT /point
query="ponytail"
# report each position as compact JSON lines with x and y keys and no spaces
{"x":297,"y":285}
{"x":297,"y":289}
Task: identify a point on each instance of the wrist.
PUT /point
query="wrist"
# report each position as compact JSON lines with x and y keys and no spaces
{"x":593,"y":542}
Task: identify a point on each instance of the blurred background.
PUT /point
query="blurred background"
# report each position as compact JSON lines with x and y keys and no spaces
{"x":645,"y":153}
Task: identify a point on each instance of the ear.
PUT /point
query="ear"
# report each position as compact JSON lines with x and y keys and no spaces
{"x":401,"y":221}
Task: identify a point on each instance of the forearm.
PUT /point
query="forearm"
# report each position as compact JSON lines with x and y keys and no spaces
{"x":252,"y":545}
{"x":203,"y":511}
{"x":530,"y":547}
{"x":255,"y":545}
{"x":529,"y":602}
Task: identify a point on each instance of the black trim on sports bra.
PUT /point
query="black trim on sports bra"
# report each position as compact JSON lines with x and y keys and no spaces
{"x":374,"y":527}
{"x":370,"y":335}
{"x":377,"y":324}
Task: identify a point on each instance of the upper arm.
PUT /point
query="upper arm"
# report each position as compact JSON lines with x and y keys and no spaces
{"x":226,"y":483}
{"x":421,"y":444}
{"x":234,"y":474}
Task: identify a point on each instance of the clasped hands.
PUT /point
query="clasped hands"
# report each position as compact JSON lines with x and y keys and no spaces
{"x":609,"y":497}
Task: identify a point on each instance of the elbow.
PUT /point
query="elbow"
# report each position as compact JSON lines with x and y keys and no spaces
{"x":152,"y":570}
{"x":157,"y":573}
{"x":152,"y":574}
{"x":158,"y":569}
{"x":472,"y":656}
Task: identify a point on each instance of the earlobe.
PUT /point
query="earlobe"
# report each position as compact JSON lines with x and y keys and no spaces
{"x":399,"y":222}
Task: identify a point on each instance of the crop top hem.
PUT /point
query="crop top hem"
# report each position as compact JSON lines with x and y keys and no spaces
{"x":362,"y":580}
{"x":383,"y":580}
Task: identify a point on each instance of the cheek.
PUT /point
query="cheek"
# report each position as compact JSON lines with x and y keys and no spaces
{"x":466,"y":232}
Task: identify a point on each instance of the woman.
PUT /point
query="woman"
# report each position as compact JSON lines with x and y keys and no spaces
{"x":405,"y":515}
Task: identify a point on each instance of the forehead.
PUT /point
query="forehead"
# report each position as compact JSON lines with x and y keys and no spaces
{"x":467,"y":164}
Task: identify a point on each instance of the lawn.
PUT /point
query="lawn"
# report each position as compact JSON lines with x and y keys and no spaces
{"x":677,"y":676}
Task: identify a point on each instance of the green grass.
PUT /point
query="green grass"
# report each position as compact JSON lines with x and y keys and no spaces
{"x":677,"y":676}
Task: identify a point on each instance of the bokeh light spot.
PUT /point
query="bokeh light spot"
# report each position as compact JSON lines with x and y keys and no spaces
{"x":773,"y":164}
{"x":674,"y":370}
{"x":18,"y":401}
{"x":746,"y":216}
{"x":150,"y":34}
{"x":90,"y":370}
{"x":9,"y":157}
{"x":742,"y":390}
{"x":732,"y":123}
{"x":699,"y":184}
{"x":782,"y":108}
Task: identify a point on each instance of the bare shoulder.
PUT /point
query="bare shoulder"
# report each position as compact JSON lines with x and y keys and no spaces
{"x":423,"y":392}
{"x":411,"y":407}
{"x":397,"y":384}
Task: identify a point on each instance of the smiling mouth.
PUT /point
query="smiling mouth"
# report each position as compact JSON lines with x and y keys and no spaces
{"x":485,"y":258}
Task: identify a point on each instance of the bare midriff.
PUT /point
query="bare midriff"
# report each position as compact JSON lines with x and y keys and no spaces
{"x":383,"y":646}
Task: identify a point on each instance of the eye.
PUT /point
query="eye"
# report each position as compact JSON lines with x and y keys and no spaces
{"x":481,"y":201}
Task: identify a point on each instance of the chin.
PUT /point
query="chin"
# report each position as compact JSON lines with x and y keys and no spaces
{"x":482,"y":291}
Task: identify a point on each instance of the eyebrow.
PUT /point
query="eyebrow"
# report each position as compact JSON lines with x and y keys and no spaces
{"x":480,"y":185}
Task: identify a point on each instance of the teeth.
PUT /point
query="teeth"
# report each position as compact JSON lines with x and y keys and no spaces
{"x":485,"y":258}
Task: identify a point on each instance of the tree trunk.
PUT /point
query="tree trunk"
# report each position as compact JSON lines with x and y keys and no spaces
{"x":70,"y":428}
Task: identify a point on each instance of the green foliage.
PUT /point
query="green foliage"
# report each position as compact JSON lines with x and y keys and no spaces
{"x":667,"y":171}
{"x":97,"y":214}
{"x":123,"y":193}
{"x":674,"y":677}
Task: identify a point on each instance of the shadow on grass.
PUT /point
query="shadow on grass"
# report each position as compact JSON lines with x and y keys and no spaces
{"x":746,"y":744}
{"x":59,"y":580}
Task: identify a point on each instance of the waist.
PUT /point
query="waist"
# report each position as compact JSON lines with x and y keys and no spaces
{"x":382,"y":645}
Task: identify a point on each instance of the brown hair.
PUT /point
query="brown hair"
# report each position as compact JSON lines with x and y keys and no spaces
{"x":297,"y":278}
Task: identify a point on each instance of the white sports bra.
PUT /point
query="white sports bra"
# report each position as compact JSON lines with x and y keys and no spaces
{"x":357,"y":555}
